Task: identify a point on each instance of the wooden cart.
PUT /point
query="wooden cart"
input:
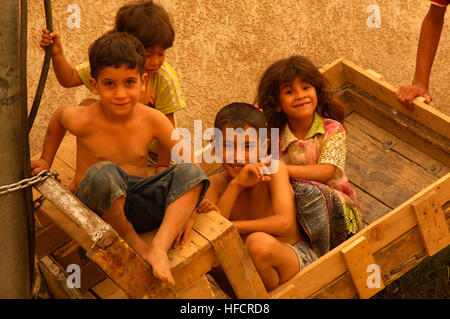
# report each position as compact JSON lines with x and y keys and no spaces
{"x":397,"y":161}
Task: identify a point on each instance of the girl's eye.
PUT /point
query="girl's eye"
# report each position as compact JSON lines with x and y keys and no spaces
{"x":131,"y":82}
{"x":109,"y":84}
{"x":306,"y":87}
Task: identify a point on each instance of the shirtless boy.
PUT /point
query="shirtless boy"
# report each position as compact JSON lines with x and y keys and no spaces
{"x":113,"y":135}
{"x":261,"y":206}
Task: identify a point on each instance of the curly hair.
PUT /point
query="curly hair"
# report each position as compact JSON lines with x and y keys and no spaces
{"x":285,"y":71}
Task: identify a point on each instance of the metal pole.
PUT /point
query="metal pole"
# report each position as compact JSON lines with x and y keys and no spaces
{"x":15,"y":209}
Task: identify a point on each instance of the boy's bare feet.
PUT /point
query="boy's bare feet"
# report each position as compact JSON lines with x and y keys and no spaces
{"x":159,"y":260}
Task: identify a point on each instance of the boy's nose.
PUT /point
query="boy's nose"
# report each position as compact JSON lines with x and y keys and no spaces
{"x":119,"y":93}
{"x":151,"y":62}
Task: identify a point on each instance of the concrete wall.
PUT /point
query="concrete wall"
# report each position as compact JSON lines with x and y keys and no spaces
{"x":223,"y":46}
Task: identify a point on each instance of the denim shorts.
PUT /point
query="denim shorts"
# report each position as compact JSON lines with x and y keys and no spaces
{"x":146,"y":199}
{"x":304,"y":253}
{"x":320,"y":213}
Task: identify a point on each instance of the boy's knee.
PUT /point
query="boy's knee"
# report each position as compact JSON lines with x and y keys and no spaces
{"x":260,"y":246}
{"x":102,"y":184}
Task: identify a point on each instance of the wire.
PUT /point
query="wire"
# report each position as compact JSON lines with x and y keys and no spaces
{"x":45,"y":66}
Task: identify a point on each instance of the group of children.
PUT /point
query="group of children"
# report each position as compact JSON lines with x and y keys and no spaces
{"x":287,"y":217}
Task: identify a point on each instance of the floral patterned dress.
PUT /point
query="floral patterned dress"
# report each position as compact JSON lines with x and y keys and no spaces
{"x":325,"y":143}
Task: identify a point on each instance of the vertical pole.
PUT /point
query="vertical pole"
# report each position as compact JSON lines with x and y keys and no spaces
{"x":15,"y":208}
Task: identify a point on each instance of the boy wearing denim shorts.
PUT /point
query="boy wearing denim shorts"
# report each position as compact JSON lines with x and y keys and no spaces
{"x":260,"y":204}
{"x":113,"y":135}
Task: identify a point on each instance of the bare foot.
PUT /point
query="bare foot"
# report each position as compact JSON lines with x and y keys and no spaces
{"x":160,"y":263}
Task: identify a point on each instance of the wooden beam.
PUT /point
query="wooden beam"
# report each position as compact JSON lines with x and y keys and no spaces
{"x":232,"y":255}
{"x":432,"y":223}
{"x":359,"y":258}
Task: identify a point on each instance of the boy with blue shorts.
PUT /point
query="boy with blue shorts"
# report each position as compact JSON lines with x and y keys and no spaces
{"x":113,"y":135}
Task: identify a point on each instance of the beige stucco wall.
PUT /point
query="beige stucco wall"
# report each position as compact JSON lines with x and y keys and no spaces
{"x":222,"y":47}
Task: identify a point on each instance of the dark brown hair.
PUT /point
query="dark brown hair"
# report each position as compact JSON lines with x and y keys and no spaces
{"x":115,"y":49}
{"x":147,"y":21}
{"x":239,"y":115}
{"x":285,"y":71}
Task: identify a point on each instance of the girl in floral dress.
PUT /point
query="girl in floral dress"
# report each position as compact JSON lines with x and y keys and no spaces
{"x":294,"y":97}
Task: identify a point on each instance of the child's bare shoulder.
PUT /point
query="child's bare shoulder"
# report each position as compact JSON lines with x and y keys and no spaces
{"x":219,"y":183}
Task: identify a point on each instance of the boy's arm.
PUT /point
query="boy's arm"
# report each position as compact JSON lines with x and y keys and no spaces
{"x":428,"y":43}
{"x":53,"y":137}
{"x":163,"y":153}
{"x":280,"y":223}
{"x":65,"y":72}
{"x":163,"y":132}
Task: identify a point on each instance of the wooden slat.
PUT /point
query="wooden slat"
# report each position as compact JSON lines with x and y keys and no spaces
{"x":432,"y":223}
{"x":107,"y":289}
{"x":56,"y":279}
{"x":383,"y":174}
{"x":199,"y":289}
{"x":232,"y":255}
{"x":385,"y":92}
{"x":334,"y":72}
{"x":358,"y":257}
{"x":399,"y":146}
{"x":49,"y":239}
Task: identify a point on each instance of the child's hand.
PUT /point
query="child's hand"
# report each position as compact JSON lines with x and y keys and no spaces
{"x":206,"y":206}
{"x":48,"y":38}
{"x":38,"y":166}
{"x":251,"y":174}
{"x":185,"y":231}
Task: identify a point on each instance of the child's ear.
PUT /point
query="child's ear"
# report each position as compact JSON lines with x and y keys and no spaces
{"x":93,"y":84}
{"x":144,"y":79}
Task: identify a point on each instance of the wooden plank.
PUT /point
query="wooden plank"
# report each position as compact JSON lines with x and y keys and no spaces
{"x":384,"y":174}
{"x":358,"y":258}
{"x":370,"y":207}
{"x":398,"y":145}
{"x":288,"y":292}
{"x":56,"y":280}
{"x":385,"y":92}
{"x":334,"y":73}
{"x":432,"y":223}
{"x":107,"y":289}
{"x":232,"y":255}
{"x":49,"y":239}
{"x":403,"y":127}
{"x":199,"y":289}
{"x":379,"y":234}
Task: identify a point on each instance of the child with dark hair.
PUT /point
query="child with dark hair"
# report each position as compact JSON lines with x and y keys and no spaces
{"x":260,"y":205}
{"x":113,"y":135}
{"x":150,"y":23}
{"x":296,"y":100}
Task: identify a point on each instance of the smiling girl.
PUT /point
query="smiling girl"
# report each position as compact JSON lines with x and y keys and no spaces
{"x":294,"y":97}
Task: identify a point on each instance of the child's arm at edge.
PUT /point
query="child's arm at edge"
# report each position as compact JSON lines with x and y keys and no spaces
{"x":53,"y":137}
{"x":65,"y":72}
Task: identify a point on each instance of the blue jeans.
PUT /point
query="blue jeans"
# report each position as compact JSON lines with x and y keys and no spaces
{"x":320,"y":213}
{"x":146,"y":199}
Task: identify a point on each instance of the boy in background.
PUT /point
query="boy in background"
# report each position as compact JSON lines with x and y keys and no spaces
{"x":113,"y":135}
